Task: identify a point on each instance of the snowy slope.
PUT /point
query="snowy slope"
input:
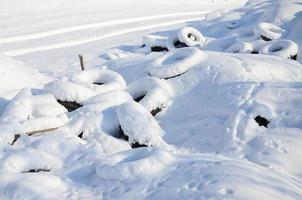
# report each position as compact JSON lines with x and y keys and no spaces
{"x":206,"y":112}
{"x":57,"y":31}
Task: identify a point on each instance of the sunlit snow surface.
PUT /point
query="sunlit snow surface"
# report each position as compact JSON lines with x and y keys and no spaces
{"x":195,"y":120}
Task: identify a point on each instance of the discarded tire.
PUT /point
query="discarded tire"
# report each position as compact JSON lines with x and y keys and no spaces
{"x":281,"y":48}
{"x":268,"y":31}
{"x":156,"y":43}
{"x":257,"y":45}
{"x":100,"y":80}
{"x":69,"y":94}
{"x":191,"y":37}
{"x":240,"y":47}
{"x":175,"y":63}
{"x":174,"y":43}
{"x":152,"y":93}
{"x":139,"y":125}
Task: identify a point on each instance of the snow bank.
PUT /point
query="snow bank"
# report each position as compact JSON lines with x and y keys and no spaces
{"x":141,"y":163}
{"x":39,"y":186}
{"x":281,"y":48}
{"x":15,"y":76}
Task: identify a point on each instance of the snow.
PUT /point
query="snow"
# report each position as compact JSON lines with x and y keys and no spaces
{"x":240,"y":47}
{"x":155,"y":40}
{"x":155,"y":92}
{"x":174,"y":63}
{"x":268,"y":30}
{"x":212,"y":114}
{"x":281,"y":48}
{"x":17,"y":76}
{"x":139,"y":125}
{"x":191,"y":37}
{"x":126,"y":165}
{"x":100,"y":80}
{"x":68,"y":91}
{"x":27,"y":106}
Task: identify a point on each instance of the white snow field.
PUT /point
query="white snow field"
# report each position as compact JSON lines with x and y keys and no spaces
{"x":180,"y":99}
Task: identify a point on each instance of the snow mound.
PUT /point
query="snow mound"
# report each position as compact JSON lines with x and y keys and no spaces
{"x":139,"y":125}
{"x":39,"y":186}
{"x":140,"y":163}
{"x":26,"y":160}
{"x":15,"y":76}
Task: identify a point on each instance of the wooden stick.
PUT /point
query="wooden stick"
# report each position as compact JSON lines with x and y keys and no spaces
{"x":33,"y":133}
{"x":82,"y":62}
{"x":39,"y":132}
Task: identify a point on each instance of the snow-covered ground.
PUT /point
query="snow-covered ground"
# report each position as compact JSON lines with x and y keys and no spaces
{"x":180,"y":99}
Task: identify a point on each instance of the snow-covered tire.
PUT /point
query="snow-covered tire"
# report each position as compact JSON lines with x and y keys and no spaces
{"x":281,"y":48}
{"x":191,"y":37}
{"x":139,"y":125}
{"x":257,"y":45}
{"x":100,"y":80}
{"x":174,"y":43}
{"x":175,"y":63}
{"x":152,"y":93}
{"x":268,"y":31}
{"x":68,"y":91}
{"x":156,"y":43}
{"x":31,"y":114}
{"x":240,"y":47}
{"x":69,"y":94}
{"x":247,"y":35}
